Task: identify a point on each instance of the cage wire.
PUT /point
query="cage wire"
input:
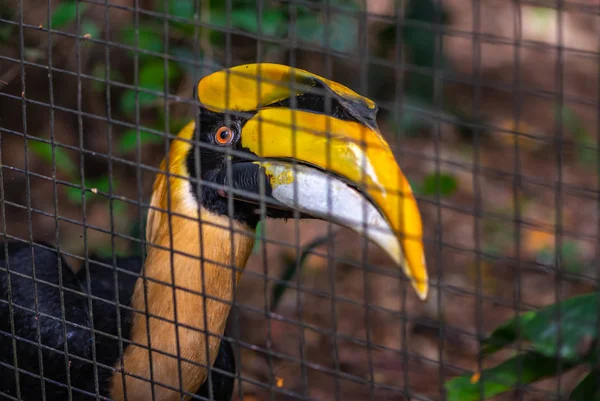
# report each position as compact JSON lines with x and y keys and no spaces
{"x":491,"y":109}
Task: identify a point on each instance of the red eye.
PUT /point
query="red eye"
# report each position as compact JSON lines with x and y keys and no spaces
{"x":224,"y":136}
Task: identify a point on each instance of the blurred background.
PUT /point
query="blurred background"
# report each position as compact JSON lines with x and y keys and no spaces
{"x":491,"y":106}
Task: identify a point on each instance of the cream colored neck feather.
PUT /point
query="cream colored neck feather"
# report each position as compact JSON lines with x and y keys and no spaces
{"x":186,"y":304}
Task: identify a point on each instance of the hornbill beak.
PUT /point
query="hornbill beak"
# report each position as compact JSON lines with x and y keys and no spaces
{"x":319,"y":151}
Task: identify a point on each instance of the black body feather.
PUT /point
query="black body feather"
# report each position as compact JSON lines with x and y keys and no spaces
{"x":78,"y":372}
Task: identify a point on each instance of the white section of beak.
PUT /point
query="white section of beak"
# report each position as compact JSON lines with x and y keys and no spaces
{"x":323,"y":196}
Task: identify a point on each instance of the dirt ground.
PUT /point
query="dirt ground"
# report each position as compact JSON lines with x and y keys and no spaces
{"x":483,"y":254}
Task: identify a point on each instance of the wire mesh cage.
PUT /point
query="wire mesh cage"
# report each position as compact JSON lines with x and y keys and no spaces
{"x":215,"y":199}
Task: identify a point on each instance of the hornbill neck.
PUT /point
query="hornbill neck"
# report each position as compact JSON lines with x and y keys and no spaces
{"x":186,"y":290}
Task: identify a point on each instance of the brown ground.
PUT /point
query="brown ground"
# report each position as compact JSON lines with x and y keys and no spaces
{"x":412,"y":346}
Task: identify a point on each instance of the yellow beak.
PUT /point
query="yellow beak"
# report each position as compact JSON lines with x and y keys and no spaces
{"x":351,"y":149}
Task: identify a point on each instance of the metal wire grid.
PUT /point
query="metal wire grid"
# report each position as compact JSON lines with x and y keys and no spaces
{"x":435,"y":260}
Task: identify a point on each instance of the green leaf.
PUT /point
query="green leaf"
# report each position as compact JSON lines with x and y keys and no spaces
{"x":184,"y":9}
{"x":584,"y":142}
{"x":151,"y":77}
{"x":258,"y":235}
{"x":420,"y":41}
{"x":119,"y":208}
{"x":181,"y":8}
{"x":6,"y":13}
{"x":505,"y":334}
{"x":586,"y":150}
{"x":99,"y":72}
{"x":90,"y":28}
{"x":43,"y":150}
{"x":342,"y":35}
{"x":410,"y":120}
{"x":98,"y":185}
{"x":152,"y":74}
{"x":107,"y":252}
{"x":290,"y":271}
{"x":74,"y":195}
{"x":129,"y":141}
{"x":138,"y":231}
{"x":273,"y":21}
{"x":444,"y":184}
{"x":5,"y":32}
{"x":188,"y":62}
{"x":588,"y":389}
{"x":577,"y":325}
{"x":571,"y":256}
{"x":347,"y":5}
{"x":65,"y":13}
{"x":279,"y":288}
{"x":149,"y":38}
{"x":176,"y":124}
{"x":309,"y":28}
{"x":522,"y":369}
{"x":128,"y":100}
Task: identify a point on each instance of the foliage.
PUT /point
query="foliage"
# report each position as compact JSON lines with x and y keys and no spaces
{"x":570,"y":254}
{"x":132,"y":138}
{"x":585,"y":143}
{"x":422,"y":43}
{"x":65,"y":13}
{"x":5,"y":29}
{"x":559,"y":337}
{"x":152,"y":77}
{"x":291,"y":266}
{"x":434,"y":184}
{"x":47,"y":153}
{"x":258,"y":235}
{"x":90,"y":188}
{"x":53,"y":154}
{"x":274,"y":20}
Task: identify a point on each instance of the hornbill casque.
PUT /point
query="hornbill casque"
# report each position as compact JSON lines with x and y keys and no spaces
{"x":305,"y":145}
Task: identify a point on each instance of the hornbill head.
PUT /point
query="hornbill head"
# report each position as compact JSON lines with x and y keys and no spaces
{"x":298,"y":141}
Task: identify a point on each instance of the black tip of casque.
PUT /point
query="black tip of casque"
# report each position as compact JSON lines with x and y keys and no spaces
{"x":355,"y":107}
{"x":347,"y":108}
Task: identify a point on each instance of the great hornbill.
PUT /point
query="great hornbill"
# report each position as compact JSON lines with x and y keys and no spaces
{"x":304,"y":145}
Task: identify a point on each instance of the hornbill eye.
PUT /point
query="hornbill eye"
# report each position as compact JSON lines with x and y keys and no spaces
{"x":224,"y":136}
